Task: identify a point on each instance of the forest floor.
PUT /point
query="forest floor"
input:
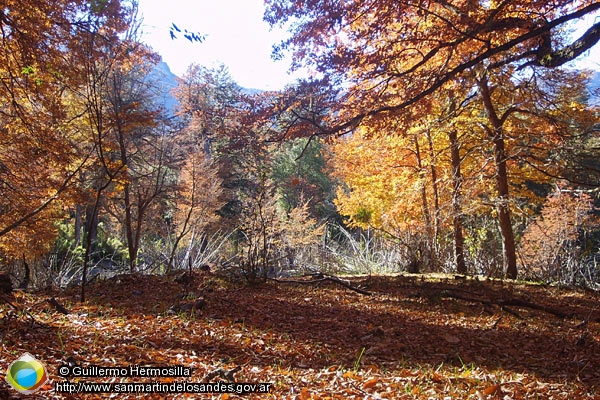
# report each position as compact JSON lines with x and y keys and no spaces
{"x":412,"y":338}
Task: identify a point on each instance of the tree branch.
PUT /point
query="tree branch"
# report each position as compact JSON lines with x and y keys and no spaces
{"x":33,"y":213}
{"x":559,"y":57}
{"x":568,"y":53}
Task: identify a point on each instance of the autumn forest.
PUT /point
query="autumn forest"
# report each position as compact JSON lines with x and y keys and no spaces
{"x":437,"y":169}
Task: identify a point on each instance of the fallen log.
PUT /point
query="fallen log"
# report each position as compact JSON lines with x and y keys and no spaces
{"x":527,"y":304}
{"x":318,"y":278}
{"x":504,"y":303}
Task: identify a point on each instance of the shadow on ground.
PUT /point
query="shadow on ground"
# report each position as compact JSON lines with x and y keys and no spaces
{"x":406,"y":323}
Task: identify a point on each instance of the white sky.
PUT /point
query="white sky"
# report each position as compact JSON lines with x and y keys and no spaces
{"x":236,"y":36}
{"x":239,"y":38}
{"x":590,"y":59}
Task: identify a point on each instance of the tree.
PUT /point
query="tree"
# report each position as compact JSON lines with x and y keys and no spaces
{"x":402,"y":179}
{"x":394,"y":55}
{"x":197,"y":202}
{"x":496,"y":133}
{"x":387,"y":185}
{"x":210,"y":101}
{"x":420,"y":47}
{"x":428,"y":159}
{"x":301,"y":175}
{"x":514,"y":108}
{"x":105,"y":52}
{"x":39,"y":151}
{"x":138,"y":129}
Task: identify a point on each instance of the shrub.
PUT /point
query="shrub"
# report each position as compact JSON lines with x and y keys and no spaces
{"x":554,"y":243}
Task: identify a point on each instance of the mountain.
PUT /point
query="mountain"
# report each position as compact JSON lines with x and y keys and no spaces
{"x":251,"y":92}
{"x":164,"y":81}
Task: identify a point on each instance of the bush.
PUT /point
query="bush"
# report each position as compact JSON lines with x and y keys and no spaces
{"x":554,"y":247}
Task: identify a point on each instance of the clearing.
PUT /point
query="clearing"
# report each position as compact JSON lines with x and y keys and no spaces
{"x":413,"y":337}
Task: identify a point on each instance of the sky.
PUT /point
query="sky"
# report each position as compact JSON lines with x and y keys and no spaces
{"x":591,"y":58}
{"x":236,"y":36}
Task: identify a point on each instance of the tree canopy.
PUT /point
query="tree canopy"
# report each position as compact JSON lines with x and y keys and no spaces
{"x":421,"y":46}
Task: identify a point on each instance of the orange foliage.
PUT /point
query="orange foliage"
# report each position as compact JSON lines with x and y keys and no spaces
{"x":550,"y":240}
{"x":397,"y":171}
{"x":407,"y":50}
{"x":397,"y":174}
{"x":393,"y":56}
{"x":304,"y":339}
{"x":198,"y":198}
{"x":381,"y":180}
{"x":39,"y":143}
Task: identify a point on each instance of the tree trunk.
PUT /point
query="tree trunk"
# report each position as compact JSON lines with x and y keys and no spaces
{"x":6,"y":286}
{"x":415,"y":266}
{"x":496,"y":133}
{"x":92,"y":214}
{"x":77,"y":224}
{"x":27,"y":274}
{"x":131,"y":250}
{"x":457,"y":217}
{"x":137,"y":232}
{"x":436,"y":202}
{"x":503,"y":207}
{"x":91,"y":224}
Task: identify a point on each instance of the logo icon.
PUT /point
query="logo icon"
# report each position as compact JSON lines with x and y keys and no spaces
{"x":26,"y":374}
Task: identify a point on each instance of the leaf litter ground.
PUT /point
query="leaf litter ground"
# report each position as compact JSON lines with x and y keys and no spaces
{"x":414,"y":338}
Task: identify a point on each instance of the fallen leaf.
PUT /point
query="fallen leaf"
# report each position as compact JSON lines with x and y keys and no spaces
{"x":437,"y":378}
{"x":451,"y":339}
{"x":491,"y":390}
{"x":370,"y":383}
{"x":304,"y":395}
{"x":315,"y":351}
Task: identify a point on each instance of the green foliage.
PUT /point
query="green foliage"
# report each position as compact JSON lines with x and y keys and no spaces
{"x":482,"y":245}
{"x":29,"y":71}
{"x":110,"y":246}
{"x":81,"y":107}
{"x":363,"y":215}
{"x":107,"y":246}
{"x":65,"y":240}
{"x":299,"y":171}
